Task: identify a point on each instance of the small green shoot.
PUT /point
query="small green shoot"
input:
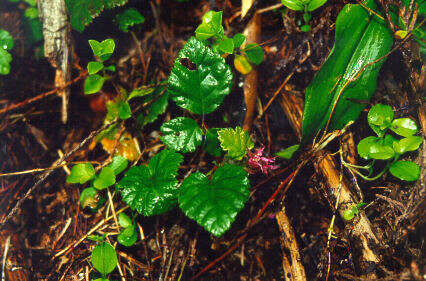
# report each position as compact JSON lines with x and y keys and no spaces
{"x":6,"y":44}
{"x":236,"y":142}
{"x":129,"y":18}
{"x":387,"y":147}
{"x":353,"y":211}
{"x":104,"y":258}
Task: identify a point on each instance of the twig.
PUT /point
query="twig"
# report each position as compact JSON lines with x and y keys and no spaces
{"x":3,"y":266}
{"x":43,"y":95}
{"x":46,"y":174}
{"x":96,"y":227}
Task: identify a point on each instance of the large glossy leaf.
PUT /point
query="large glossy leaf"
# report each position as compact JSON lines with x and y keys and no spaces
{"x":182,"y":134}
{"x":152,"y":189}
{"x":361,"y":39}
{"x":200,"y":90}
{"x":215,"y":203}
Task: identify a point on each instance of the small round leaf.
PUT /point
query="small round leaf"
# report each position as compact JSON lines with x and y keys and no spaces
{"x":81,"y":173}
{"x":128,"y":236}
{"x":6,"y":40}
{"x":404,"y":127}
{"x":242,"y":64}
{"x":105,"y":179}
{"x":94,"y":67}
{"x":405,"y":170}
{"x":407,"y":144}
{"x":254,"y":53}
{"x":124,"y":220}
{"x":380,"y":115}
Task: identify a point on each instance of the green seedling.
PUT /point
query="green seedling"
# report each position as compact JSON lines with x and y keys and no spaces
{"x":353,"y":211}
{"x":386,"y":147}
{"x":211,"y":28}
{"x":129,"y":18}
{"x":305,"y":6}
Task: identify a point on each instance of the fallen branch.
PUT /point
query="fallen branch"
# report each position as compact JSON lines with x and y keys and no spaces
{"x":362,"y":235}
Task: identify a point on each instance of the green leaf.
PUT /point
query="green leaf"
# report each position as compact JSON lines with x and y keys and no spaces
{"x":348,"y":214}
{"x":407,"y":144}
{"x":305,"y":28}
{"x":81,"y":173}
{"x":226,"y":45}
{"x":33,"y":30}
{"x":32,"y":3}
{"x":212,"y":143}
{"x":389,"y":140}
{"x":102,"y":50}
{"x":118,"y":164}
{"x":5,"y":60}
{"x":101,"y":279}
{"x":405,"y":170}
{"x":82,"y":12}
{"x":129,"y":18}
{"x":254,"y":53}
{"x":182,"y":134}
{"x":239,"y":39}
{"x":88,"y":198}
{"x":110,"y":68}
{"x":152,"y":189}
{"x":288,"y":152}
{"x":364,"y":146}
{"x":136,"y":93}
{"x":124,"y":220}
{"x":155,"y":109}
{"x":404,"y":127}
{"x":295,"y":5}
{"x":124,"y":111}
{"x":105,"y":179}
{"x":361,"y":39}
{"x":211,"y":26}
{"x":215,"y":203}
{"x":375,"y":148}
{"x":104,"y":258}
{"x":128,"y":236}
{"x":315,"y":4}
{"x":380,"y":116}
{"x":6,"y":40}
{"x":235,"y":141}
{"x":202,"y":90}
{"x":118,"y":109}
{"x":31,"y":13}
{"x":94,"y":67}
{"x":93,"y":84}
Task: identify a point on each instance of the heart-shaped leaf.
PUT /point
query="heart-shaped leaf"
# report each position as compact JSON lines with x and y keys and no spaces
{"x":152,"y":189}
{"x":182,"y":134}
{"x":201,"y":90}
{"x":215,"y":203}
{"x":102,"y":50}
